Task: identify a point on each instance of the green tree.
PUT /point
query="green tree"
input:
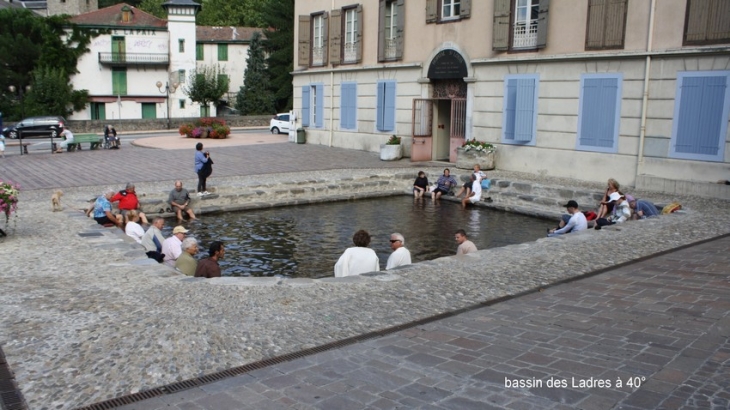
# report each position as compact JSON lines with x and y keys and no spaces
{"x":279,"y":45}
{"x":154,"y":7}
{"x":51,"y":94}
{"x":206,"y":85}
{"x":254,"y":97}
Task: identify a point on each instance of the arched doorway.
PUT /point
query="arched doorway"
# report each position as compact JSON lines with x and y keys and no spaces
{"x":439,"y":122}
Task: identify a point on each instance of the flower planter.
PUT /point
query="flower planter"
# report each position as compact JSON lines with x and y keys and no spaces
{"x":467,"y":159}
{"x":390,"y":152}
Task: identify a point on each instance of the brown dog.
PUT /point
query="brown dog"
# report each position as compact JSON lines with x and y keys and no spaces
{"x":56,"y":201}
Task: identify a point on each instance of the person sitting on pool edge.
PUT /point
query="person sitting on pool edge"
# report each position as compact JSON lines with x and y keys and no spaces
{"x":420,"y":185}
{"x":186,"y":262}
{"x":208,"y":267}
{"x":400,"y":256}
{"x":443,"y":185}
{"x":576,"y":221}
{"x":358,"y":259}
{"x":474,"y":195}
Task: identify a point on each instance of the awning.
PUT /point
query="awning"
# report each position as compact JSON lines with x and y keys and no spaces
{"x":139,"y":99}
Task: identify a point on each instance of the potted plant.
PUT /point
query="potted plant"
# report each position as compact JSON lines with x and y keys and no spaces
{"x":391,"y":150}
{"x":474,"y":152}
{"x":8,"y":201}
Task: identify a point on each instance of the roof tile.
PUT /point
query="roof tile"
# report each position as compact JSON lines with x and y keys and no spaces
{"x":112,"y":16}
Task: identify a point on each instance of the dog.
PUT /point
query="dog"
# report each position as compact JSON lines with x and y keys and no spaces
{"x":56,"y":201}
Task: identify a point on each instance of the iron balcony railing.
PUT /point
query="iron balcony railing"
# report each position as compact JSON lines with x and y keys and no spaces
{"x":134,"y":58}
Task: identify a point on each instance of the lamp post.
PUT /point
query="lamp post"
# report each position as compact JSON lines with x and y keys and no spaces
{"x":167,"y":90}
{"x":21,"y":95}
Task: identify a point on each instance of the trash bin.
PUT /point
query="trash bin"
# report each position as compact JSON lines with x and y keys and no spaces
{"x":301,"y":137}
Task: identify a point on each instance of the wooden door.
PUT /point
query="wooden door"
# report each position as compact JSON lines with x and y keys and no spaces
{"x":422,"y":130}
{"x":457,"y":132}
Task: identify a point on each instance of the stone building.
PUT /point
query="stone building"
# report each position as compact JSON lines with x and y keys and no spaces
{"x":631,"y":89}
{"x":140,"y":67}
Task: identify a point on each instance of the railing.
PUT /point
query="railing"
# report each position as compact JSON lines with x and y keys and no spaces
{"x":134,"y":58}
{"x":390,"y":48}
{"x":317,"y":56}
{"x":350,"y":53}
{"x":525,"y":35}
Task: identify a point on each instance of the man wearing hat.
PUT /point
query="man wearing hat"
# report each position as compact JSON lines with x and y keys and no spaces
{"x":576,"y":222}
{"x":172,"y":246}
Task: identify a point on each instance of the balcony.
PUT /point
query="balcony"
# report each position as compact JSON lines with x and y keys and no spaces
{"x":130,"y":59}
{"x":525,"y":35}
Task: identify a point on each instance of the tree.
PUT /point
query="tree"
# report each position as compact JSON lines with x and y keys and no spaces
{"x":247,"y":13}
{"x":279,"y":44}
{"x":154,"y":7}
{"x":206,"y":85}
{"x":254,"y":97}
{"x":51,"y":94}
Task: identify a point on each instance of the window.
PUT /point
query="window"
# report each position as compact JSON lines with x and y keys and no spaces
{"x":98,"y":111}
{"x":181,"y":104}
{"x":313,"y":106}
{"x":519,"y":123}
{"x":312,"y":38}
{"x":318,"y":40}
{"x":126,"y":14}
{"x":346,"y":35}
{"x":447,"y":10}
{"x":181,"y":45}
{"x":606,"y":24}
{"x":222,"y":52}
{"x":119,"y":81}
{"x":385,"y":116}
{"x":348,"y":106}
{"x":391,"y":21}
{"x":200,"y":52}
{"x":180,"y":76}
{"x":204,"y":111}
{"x":707,"y":22}
{"x":701,"y":113}
{"x":149,"y":110}
{"x":599,"y":114}
{"x":351,"y":33}
{"x":523,"y":27}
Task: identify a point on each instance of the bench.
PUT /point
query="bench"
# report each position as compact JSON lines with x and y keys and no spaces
{"x":93,"y":139}
{"x":16,"y":144}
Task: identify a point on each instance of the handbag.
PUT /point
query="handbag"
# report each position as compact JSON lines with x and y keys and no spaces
{"x":486,"y":183}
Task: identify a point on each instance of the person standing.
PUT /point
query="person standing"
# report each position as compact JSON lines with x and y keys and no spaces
{"x":208,"y":267}
{"x":358,"y":259}
{"x":465,"y":245}
{"x":172,"y":246}
{"x":400,"y":256}
{"x":576,"y":222}
{"x":202,"y":167}
{"x":179,"y":199}
{"x":186,"y":262}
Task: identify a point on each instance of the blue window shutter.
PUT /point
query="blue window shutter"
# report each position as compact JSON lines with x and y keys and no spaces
{"x":306,"y":100}
{"x":320,"y":106}
{"x":524,"y":110}
{"x":389,"y":114}
{"x":348,"y":106}
{"x":510,"y":109}
{"x":344,"y":102}
{"x":599,"y":114}
{"x":700,"y":115}
{"x":380,"y":106}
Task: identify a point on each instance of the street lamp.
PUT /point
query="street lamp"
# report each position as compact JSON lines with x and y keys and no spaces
{"x":12,"y":89}
{"x":167,"y":90}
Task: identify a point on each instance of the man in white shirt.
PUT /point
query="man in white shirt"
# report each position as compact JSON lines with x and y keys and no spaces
{"x":172,"y":246}
{"x":476,"y":191}
{"x":69,"y":140}
{"x":577,"y":221}
{"x":358,"y":259}
{"x":400,"y":256}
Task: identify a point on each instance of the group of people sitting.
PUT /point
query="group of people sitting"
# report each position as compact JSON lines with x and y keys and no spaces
{"x":360,"y":259}
{"x":177,"y":251}
{"x":615,"y":207}
{"x":472,"y":189}
{"x":111,"y":140}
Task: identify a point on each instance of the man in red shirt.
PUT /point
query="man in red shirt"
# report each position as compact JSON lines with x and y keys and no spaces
{"x":128,"y":201}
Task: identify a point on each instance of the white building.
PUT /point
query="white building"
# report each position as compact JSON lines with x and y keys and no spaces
{"x":139,"y":69}
{"x":637,"y":90}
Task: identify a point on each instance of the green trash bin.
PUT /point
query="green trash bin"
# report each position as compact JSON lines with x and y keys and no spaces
{"x":301,"y":137}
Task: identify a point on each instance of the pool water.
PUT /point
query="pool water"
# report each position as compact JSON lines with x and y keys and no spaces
{"x":307,"y":240}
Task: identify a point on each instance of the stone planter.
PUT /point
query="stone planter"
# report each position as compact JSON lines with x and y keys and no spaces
{"x":467,"y":159}
{"x":390,"y":152}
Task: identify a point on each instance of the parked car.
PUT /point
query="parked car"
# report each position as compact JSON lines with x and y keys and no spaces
{"x":279,"y":124}
{"x":36,"y":127}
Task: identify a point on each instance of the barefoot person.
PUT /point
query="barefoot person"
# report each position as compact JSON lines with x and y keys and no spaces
{"x":474,"y":195}
{"x":443,"y":185}
{"x":179,"y":199}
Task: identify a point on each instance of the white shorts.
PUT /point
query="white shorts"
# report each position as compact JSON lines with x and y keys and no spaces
{"x":474,"y":199}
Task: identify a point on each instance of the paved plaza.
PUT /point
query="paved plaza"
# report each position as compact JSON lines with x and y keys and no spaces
{"x":87,"y":323}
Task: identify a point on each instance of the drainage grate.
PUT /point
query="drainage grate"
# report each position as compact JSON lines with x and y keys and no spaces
{"x":89,"y":234}
{"x":124,"y":400}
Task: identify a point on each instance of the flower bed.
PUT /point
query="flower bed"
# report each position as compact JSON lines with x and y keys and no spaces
{"x":8,"y":199}
{"x":206,"y":128}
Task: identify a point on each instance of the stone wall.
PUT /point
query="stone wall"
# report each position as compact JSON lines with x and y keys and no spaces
{"x":85,"y":126}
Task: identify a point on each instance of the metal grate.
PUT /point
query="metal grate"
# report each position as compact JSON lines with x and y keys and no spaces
{"x":10,"y":396}
{"x":90,"y":234}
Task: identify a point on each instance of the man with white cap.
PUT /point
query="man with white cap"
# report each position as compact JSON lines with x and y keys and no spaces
{"x":172,"y":246}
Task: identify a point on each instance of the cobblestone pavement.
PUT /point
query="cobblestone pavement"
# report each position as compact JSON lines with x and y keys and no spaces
{"x":659,"y":326}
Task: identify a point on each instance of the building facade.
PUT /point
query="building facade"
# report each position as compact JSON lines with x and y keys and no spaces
{"x":631,"y":89}
{"x":140,"y":66}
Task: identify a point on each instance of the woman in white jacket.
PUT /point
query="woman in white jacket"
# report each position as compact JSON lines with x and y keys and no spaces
{"x":358,"y":259}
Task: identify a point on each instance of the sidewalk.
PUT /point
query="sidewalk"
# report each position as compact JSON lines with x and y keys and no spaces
{"x":660,"y":326}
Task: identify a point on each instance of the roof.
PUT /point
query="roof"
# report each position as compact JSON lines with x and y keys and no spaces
{"x":6,"y":5}
{"x":112,"y":17}
{"x":212,"y":34}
